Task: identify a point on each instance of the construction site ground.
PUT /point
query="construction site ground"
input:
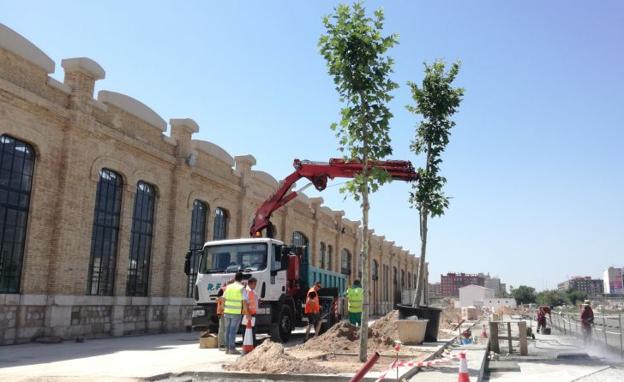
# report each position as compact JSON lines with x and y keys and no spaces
{"x":164,"y":356}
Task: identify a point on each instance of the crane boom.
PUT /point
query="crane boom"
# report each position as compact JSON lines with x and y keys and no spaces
{"x":318,"y":173}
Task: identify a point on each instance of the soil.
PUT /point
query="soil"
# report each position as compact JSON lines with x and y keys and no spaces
{"x":450,"y":318}
{"x":269,"y":357}
{"x":344,"y":338}
{"x":386,"y":325}
{"x":334,"y":351}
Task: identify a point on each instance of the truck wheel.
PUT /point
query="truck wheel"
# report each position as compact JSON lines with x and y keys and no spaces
{"x":280,"y":330}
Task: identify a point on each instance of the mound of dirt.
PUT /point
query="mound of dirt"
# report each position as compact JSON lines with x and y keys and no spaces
{"x":344,"y":337}
{"x":270,"y":358}
{"x":386,"y":325}
{"x":450,"y":318}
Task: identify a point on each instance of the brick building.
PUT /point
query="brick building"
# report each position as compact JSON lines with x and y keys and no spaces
{"x":98,"y":207}
{"x":451,"y":282}
{"x":593,"y":287}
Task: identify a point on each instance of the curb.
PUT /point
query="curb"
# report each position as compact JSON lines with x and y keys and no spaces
{"x":216,"y":375}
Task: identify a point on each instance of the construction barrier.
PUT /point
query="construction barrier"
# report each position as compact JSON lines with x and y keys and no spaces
{"x":396,"y":364}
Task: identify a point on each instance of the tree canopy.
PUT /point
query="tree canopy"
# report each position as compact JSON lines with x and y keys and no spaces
{"x":524,"y":295}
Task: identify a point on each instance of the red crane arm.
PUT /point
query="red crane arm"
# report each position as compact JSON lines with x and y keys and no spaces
{"x":318,"y":173}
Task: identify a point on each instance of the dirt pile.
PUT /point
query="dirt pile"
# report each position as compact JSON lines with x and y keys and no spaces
{"x":270,"y":358}
{"x":450,"y":318}
{"x":344,"y":337}
{"x":386,"y":325}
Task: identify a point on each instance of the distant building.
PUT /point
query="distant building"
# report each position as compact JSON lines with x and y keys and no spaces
{"x":451,"y":282}
{"x":613,"y":281}
{"x":593,"y":287}
{"x":435,"y":290}
{"x":474,"y":295}
{"x":503,"y":289}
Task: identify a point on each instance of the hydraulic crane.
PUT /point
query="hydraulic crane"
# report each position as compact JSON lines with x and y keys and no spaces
{"x":318,"y":173}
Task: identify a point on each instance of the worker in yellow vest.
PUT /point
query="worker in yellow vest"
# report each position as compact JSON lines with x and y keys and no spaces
{"x":220,"y":311}
{"x":252,"y":305}
{"x":355,"y":298}
{"x":235,"y":300}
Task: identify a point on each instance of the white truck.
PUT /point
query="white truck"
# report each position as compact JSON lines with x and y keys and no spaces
{"x":284,"y":276}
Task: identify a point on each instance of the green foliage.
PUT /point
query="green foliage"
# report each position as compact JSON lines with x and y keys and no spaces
{"x":573,"y":296}
{"x":355,"y":49}
{"x":551,"y":298}
{"x":436,"y":100}
{"x":524,"y":294}
{"x":557,"y":298}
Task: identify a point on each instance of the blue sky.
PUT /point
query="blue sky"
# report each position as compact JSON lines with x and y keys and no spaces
{"x":535,"y":165}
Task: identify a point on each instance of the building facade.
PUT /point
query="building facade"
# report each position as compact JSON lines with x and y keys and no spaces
{"x":613,"y":280}
{"x":98,"y":207}
{"x":474,"y":295}
{"x":451,"y":282}
{"x":593,"y":287}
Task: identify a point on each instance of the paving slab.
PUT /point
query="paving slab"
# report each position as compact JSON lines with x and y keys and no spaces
{"x":558,"y":358}
{"x":110,"y":359}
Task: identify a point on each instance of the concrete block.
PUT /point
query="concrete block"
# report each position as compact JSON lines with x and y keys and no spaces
{"x":121,"y":300}
{"x":63,"y":300}
{"x":58,"y":316}
{"x":10,"y":299}
{"x":34,"y":299}
{"x":139,"y":301}
{"x":158,"y":301}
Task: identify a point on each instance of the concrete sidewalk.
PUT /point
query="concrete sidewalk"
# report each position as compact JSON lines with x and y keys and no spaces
{"x":558,"y":358}
{"x":109,"y":359}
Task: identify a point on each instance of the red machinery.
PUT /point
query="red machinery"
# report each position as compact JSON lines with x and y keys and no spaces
{"x":318,"y":173}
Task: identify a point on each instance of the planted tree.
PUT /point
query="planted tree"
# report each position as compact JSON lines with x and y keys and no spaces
{"x":436,"y":101}
{"x":355,"y":50}
{"x":524,"y":294}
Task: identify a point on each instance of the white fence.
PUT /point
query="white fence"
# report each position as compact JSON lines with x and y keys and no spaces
{"x":607,"y":330}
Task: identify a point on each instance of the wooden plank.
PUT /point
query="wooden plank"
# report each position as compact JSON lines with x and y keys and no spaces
{"x":494,"y":345}
{"x":509,"y":337}
{"x":524,"y":345}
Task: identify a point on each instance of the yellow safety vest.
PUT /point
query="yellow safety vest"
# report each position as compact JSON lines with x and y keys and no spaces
{"x":355,"y":296}
{"x":233,"y":299}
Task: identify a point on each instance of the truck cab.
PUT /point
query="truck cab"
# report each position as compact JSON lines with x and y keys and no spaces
{"x":284,"y":276}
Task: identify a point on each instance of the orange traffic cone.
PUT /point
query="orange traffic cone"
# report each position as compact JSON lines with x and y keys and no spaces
{"x":484,"y":333}
{"x":463,"y":368}
{"x":248,"y":344}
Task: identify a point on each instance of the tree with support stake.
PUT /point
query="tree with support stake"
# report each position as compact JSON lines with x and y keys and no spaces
{"x":354,"y":49}
{"x":436,"y":101}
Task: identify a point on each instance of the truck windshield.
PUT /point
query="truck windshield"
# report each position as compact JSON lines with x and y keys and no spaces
{"x":233,"y":258}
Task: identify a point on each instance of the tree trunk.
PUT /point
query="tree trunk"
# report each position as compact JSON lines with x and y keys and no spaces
{"x":420,"y":285}
{"x":364,"y":281}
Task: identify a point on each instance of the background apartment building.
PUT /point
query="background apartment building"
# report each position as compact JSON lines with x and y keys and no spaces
{"x":451,"y":282}
{"x":593,"y":287}
{"x":98,"y":208}
{"x":614,"y":280}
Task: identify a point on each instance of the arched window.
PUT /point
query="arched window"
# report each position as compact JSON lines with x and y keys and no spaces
{"x":322,"y":254}
{"x":199,"y":217}
{"x":395,"y":280}
{"x":409,"y":280}
{"x":402,"y":278}
{"x":375,"y":273}
{"x":105,"y":234}
{"x":17,"y":163}
{"x":220,"y":224}
{"x":141,"y":240}
{"x":345,"y":262}
{"x":330,"y":257}
{"x":299,"y":239}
